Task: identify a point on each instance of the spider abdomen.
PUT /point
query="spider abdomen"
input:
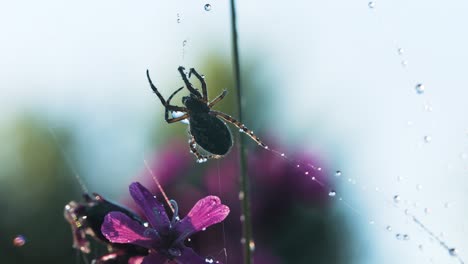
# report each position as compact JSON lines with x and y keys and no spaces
{"x":210,"y":133}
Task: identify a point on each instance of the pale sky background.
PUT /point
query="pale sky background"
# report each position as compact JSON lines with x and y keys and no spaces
{"x":339,"y":83}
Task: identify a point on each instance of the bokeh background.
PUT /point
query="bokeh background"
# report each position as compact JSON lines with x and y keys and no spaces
{"x":331,"y":82}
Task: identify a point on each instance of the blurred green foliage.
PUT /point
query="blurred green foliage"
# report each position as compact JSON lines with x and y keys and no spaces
{"x":35,"y":185}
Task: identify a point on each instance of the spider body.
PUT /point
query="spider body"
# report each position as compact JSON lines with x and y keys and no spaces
{"x":207,"y":127}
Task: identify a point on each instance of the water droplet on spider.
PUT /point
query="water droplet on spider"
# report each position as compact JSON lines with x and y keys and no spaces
{"x":396,"y":198}
{"x":427,"y":139}
{"x":371,"y":4}
{"x":420,"y":88}
{"x":389,"y":228}
{"x":19,"y":241}
{"x":332,"y":193}
{"x":338,"y":173}
{"x":400,"y":51}
{"x":453,"y":252}
{"x":209,"y":260}
{"x":207,"y":7}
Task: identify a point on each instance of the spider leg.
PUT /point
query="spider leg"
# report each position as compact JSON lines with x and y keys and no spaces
{"x":218,"y":98}
{"x":161,"y":98}
{"x":166,"y":114}
{"x":176,"y":119}
{"x":187,"y":82}
{"x":242,"y":127}
{"x":193,"y":149}
{"x":202,"y":81}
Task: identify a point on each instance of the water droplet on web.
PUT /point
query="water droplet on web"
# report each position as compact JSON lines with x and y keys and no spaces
{"x":242,"y":240}
{"x":419,"y":187}
{"x":406,"y":237}
{"x":306,"y":173}
{"x":463,"y":155}
{"x":241,"y":195}
{"x":313,"y":178}
{"x":399,"y":178}
{"x":371,"y":222}
{"x":178,"y":18}
{"x":209,"y":260}
{"x":371,"y":4}
{"x":400,"y":51}
{"x":242,"y":218}
{"x":404,"y":63}
{"x":420,"y":88}
{"x":453,"y":252}
{"x":204,"y":229}
{"x":338,"y":173}
{"x":175,"y":252}
{"x":282,"y":154}
{"x":396,"y":198}
{"x":389,"y":228}
{"x":428,"y":107}
{"x":252,"y":245}
{"x":332,"y":193}
{"x":447,"y":204}
{"x":427,"y":210}
{"x":207,"y":7}
{"x":184,"y":43}
{"x":427,"y":139}
{"x":19,"y":241}
{"x":420,"y":247}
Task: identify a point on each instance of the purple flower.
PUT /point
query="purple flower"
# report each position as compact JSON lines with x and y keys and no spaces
{"x":163,"y":237}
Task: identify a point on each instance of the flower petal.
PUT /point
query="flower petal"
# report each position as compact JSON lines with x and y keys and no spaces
{"x":152,"y":208}
{"x":154,"y":258}
{"x":206,"y":212}
{"x":190,"y":257}
{"x":119,"y":228}
{"x":135,"y":260}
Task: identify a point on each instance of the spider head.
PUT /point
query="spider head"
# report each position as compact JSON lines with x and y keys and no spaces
{"x":195,"y":103}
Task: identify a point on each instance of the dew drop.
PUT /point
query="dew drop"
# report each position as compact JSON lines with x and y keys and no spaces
{"x":242,"y":218}
{"x":319,"y":168}
{"x":371,"y":222}
{"x":338,"y":173}
{"x":241,"y":130}
{"x":406,"y":237}
{"x":313,"y":178}
{"x":178,"y":18}
{"x":371,"y":4}
{"x":453,"y":252}
{"x":242,"y":240}
{"x":204,"y":229}
{"x":427,"y":139}
{"x":184,"y":43}
{"x":306,"y":173}
{"x":404,"y":63}
{"x":419,"y":187}
{"x":420,"y":247}
{"x":252,"y":245}
{"x":332,"y":193}
{"x":463,"y":155}
{"x":241,"y":195}
{"x":427,"y":210}
{"x":400,"y":51}
{"x":447,"y":204}
{"x":298,"y":165}
{"x":282,"y":154}
{"x":399,"y":236}
{"x":175,"y":252}
{"x":19,"y":241}
{"x":209,"y":260}
{"x":396,"y":198}
{"x":389,"y":228}
{"x":207,"y":7}
{"x":420,"y":88}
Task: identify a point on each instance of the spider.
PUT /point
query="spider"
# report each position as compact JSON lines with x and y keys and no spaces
{"x":206,"y":126}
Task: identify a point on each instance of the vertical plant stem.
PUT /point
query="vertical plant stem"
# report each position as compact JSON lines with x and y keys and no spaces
{"x":244,"y":179}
